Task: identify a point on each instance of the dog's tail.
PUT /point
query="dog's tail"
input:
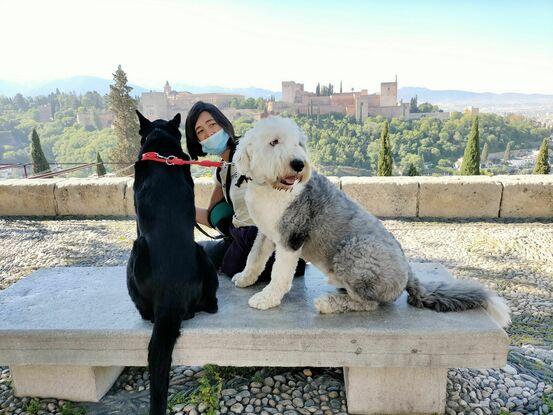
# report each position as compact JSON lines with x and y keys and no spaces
{"x":160,"y":350}
{"x":456,"y":295}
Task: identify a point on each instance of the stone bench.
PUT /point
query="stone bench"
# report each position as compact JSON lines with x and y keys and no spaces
{"x":67,"y":333}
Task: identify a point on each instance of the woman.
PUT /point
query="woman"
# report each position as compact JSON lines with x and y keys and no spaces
{"x":208,"y":131}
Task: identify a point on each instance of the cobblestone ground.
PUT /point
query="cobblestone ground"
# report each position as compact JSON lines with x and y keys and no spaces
{"x":515,"y":258}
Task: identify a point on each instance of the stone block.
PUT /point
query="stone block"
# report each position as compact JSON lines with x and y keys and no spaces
{"x":129,"y":198}
{"x":419,"y":390}
{"x":203,"y":188}
{"x":526,"y":196}
{"x":28,"y":197}
{"x":459,"y":197}
{"x":74,"y":383}
{"x":384,"y":196}
{"x":91,"y":197}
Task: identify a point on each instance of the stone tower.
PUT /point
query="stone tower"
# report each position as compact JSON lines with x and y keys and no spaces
{"x":167,"y":88}
{"x":388,"y":94}
{"x":291,"y":91}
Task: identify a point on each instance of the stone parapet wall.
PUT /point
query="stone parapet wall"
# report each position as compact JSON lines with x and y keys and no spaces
{"x":441,"y":197}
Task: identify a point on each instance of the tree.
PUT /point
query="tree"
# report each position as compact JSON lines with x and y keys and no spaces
{"x":471,"y":158}
{"x":20,"y":102}
{"x":412,"y":170}
{"x":385,"y":155}
{"x":318,"y":89}
{"x":340,"y":87}
{"x":507,"y":153}
{"x":40,"y":164}
{"x":125,"y":122}
{"x":485,"y":152}
{"x":414,"y":106}
{"x":100,"y":169}
{"x":542,"y":161}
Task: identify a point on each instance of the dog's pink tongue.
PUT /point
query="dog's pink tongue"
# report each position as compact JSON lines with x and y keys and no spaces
{"x":289,"y":180}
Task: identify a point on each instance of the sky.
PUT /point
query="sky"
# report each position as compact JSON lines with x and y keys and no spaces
{"x":494,"y":46}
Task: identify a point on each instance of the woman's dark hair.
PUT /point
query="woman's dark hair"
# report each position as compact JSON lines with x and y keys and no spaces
{"x":192,"y":141}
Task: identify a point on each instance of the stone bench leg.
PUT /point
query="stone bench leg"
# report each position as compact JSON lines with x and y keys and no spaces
{"x":74,"y":383}
{"x":410,"y":390}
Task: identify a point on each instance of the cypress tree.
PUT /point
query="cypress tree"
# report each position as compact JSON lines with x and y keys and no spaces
{"x":340,"y":87}
{"x":412,"y":170}
{"x":471,"y":158}
{"x":485,"y":152}
{"x":125,"y":122}
{"x":542,"y":161}
{"x":40,"y":164}
{"x":318,"y":89}
{"x":385,"y":155}
{"x":100,"y":168}
{"x":413,"y":105}
{"x":507,"y":153}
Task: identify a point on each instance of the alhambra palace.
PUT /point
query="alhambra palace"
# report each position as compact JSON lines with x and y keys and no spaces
{"x":358,"y":104}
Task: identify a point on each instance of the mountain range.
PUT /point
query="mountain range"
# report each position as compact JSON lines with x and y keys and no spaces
{"x":82,"y":84}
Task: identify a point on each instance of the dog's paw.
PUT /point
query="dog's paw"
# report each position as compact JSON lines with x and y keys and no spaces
{"x":341,"y":303}
{"x":243,"y":280}
{"x":323,"y":305}
{"x":264,"y":300}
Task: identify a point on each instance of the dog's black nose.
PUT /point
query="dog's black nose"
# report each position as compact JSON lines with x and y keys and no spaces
{"x":297,"y":165}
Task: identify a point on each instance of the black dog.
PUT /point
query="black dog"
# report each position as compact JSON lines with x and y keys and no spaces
{"x":169,"y":276}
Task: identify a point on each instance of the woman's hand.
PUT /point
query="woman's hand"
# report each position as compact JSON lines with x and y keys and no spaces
{"x":201,"y":216}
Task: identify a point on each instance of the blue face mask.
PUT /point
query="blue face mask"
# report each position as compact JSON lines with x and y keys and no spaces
{"x":216,"y":144}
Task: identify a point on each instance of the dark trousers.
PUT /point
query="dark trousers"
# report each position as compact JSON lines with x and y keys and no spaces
{"x":230,"y":253}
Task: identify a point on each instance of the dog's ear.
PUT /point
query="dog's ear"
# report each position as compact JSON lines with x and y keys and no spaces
{"x":145,"y":123}
{"x":176,"y":120}
{"x":242,"y":157}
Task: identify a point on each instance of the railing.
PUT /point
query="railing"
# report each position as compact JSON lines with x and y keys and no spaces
{"x":78,"y":166}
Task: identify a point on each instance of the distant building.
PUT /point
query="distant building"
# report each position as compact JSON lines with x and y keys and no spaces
{"x":166,"y":104}
{"x":96,"y":119}
{"x":471,"y":110}
{"x":359,"y":104}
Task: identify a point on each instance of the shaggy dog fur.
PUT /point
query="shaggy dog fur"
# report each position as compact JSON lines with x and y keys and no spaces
{"x":301,"y":214}
{"x":169,"y":276}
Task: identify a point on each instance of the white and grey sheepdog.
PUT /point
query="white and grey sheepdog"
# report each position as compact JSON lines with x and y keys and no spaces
{"x":299,"y":213}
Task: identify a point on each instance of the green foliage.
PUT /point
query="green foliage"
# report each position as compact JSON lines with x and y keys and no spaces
{"x":471,"y":158}
{"x":339,"y":141}
{"x":33,"y":406}
{"x":70,"y":409}
{"x":125,"y":123}
{"x":485,"y":153}
{"x":249,"y":103}
{"x":337,"y":144}
{"x":507,"y":153}
{"x":209,"y":390}
{"x":40,"y":164}
{"x":413,"y":105}
{"x":542,"y":161}
{"x":100,"y":169}
{"x":75,"y":144}
{"x":427,"y":107}
{"x":412,"y":171}
{"x":385,"y":156}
